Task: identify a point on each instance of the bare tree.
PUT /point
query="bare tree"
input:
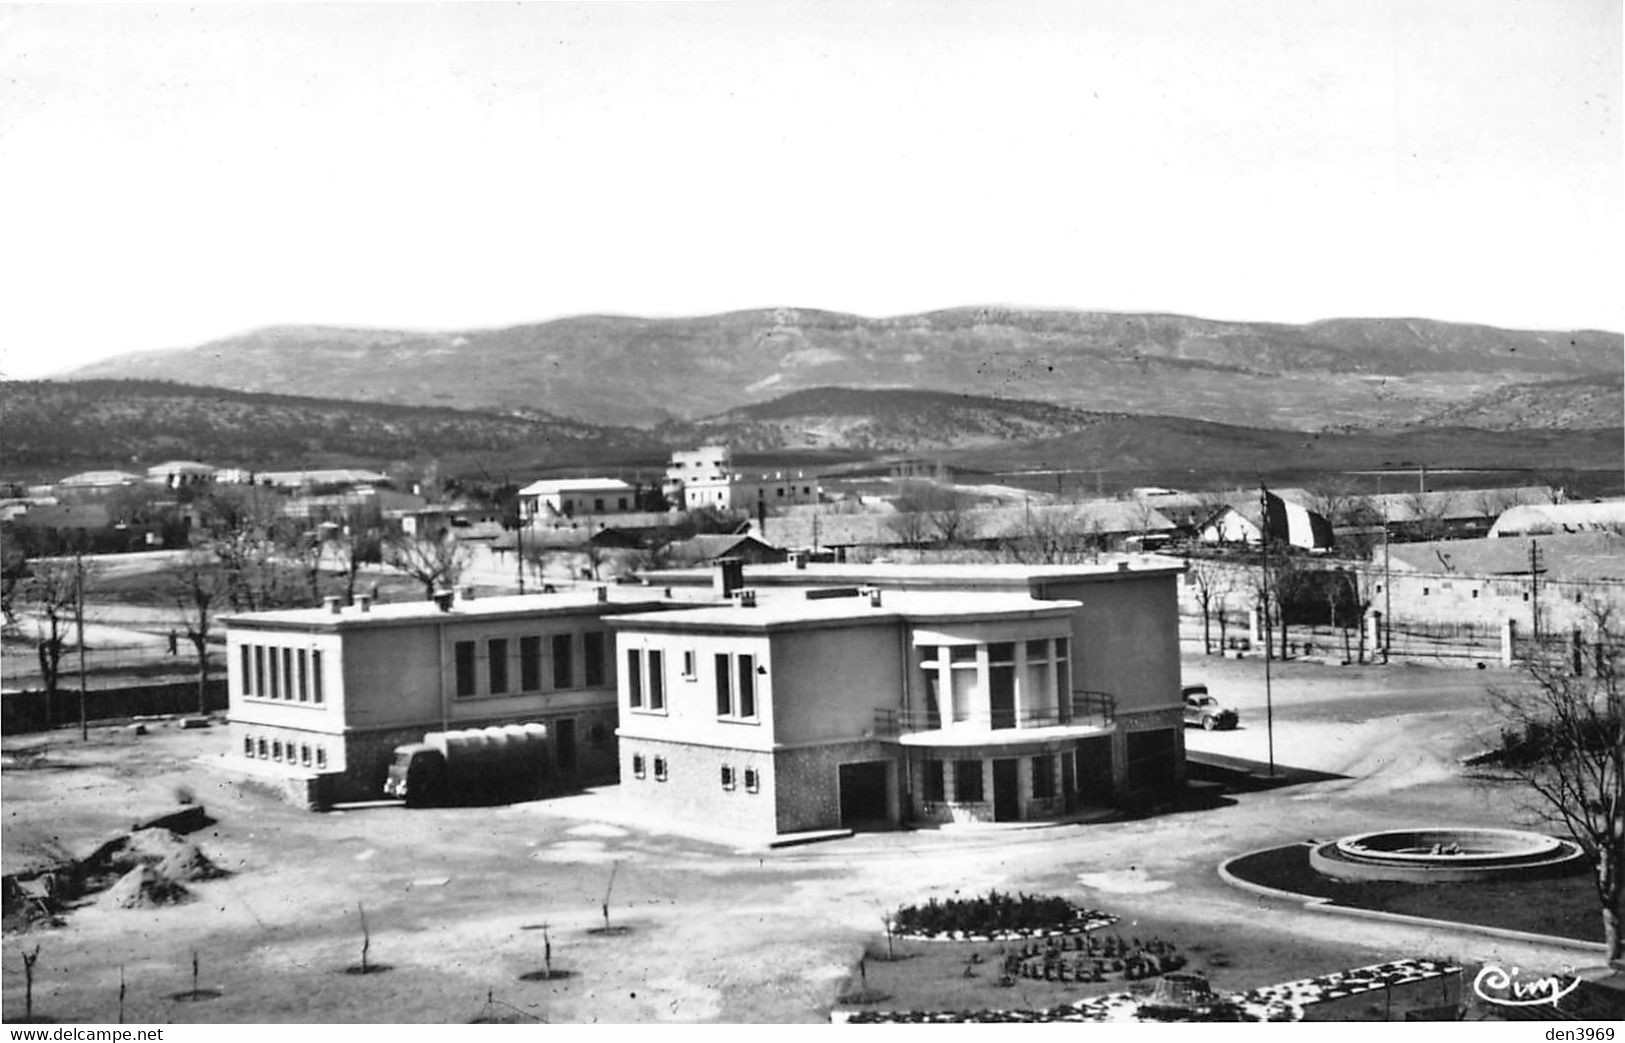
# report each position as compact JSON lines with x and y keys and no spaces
{"x":1049,"y":536}
{"x":1564,"y":742}
{"x":436,"y":562}
{"x":304,"y":547}
{"x":199,"y":586}
{"x":1430,"y":513}
{"x":13,"y":571}
{"x":912,"y":527}
{"x":53,"y":592}
{"x":1210,"y":581}
{"x":238,"y":528}
{"x":358,"y":541}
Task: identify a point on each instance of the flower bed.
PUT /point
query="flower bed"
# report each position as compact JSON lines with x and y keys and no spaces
{"x":1288,"y":1001}
{"x":996,"y":917}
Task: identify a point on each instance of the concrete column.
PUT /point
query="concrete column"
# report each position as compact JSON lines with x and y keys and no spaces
{"x":1020,"y":680}
{"x":1255,"y":626}
{"x":1509,"y":630}
{"x":945,"y":689}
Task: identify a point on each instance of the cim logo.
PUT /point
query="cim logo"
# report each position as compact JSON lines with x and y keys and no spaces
{"x":1503,"y":988}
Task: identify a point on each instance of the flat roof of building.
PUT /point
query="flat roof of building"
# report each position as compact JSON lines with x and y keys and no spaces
{"x":788,"y":610}
{"x":617,"y":598}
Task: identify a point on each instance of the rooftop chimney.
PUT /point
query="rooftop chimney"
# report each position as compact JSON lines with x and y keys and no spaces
{"x":602,"y":593}
{"x":363,"y":602}
{"x":466,"y":594}
{"x":1122,"y":566}
{"x":874,"y":597}
{"x":729,"y":576}
{"x":747,"y":598}
{"x":331,"y":603}
{"x":442,"y":600}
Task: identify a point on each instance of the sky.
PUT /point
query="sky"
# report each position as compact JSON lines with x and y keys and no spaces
{"x":174,"y":174}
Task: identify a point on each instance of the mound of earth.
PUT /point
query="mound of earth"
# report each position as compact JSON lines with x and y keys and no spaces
{"x":173,"y":856}
{"x":144,"y":887}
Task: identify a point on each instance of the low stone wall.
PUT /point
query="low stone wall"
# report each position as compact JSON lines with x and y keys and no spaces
{"x":35,"y":711}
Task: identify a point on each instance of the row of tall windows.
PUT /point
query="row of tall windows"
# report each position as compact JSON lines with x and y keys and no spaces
{"x":273,"y":672}
{"x":980,"y":683}
{"x":550,"y":657}
{"x":288,"y":752}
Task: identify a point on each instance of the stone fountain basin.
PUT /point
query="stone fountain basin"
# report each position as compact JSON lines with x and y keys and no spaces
{"x":1446,"y":854}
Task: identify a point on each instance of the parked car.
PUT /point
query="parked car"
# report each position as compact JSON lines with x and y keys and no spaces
{"x":1201,"y":708}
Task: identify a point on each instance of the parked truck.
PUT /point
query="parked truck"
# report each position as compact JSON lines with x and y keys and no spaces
{"x":471,"y":766}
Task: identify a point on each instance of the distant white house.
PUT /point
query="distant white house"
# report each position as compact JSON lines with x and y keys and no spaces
{"x":568,"y":497}
{"x":1551,"y":519}
{"x":1243,"y":523}
{"x":309,"y":479}
{"x":96,"y":480}
{"x":177,"y":474}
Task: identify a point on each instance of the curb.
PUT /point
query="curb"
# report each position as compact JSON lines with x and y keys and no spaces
{"x":1316,"y":904}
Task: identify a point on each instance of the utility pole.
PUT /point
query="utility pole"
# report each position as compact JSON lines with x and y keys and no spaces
{"x":1269,"y":702}
{"x":1534,"y":587}
{"x":79,"y":616}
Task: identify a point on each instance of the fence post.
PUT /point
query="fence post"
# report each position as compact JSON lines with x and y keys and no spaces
{"x":1509,"y":635}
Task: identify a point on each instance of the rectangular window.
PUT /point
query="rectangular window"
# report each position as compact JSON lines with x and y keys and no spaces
{"x":564,"y":673}
{"x":593,"y":658}
{"x":634,"y":678}
{"x":690,"y":666}
{"x":248,"y":746}
{"x":657,"y":680}
{"x":727,"y":777}
{"x":660,"y":769}
{"x":968,"y":782}
{"x":304,"y":755}
{"x":287,"y":680}
{"x":747,"y":686}
{"x":261,"y":745}
{"x":962,"y":653}
{"x":1043,"y":777}
{"x":496,"y":650}
{"x":637,"y":765}
{"x":935,"y":790}
{"x":1038,"y":649}
{"x":316,"y":681}
{"x":248,"y":670}
{"x":464,"y":664}
{"x":725,"y":699}
{"x":321,"y":757}
{"x":753,"y":781}
{"x":530,"y":663}
{"x":275,"y":689}
{"x":304,"y":678}
{"x":276,"y":749}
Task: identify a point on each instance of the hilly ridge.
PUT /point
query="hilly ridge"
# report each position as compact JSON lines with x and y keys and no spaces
{"x":642,"y":371}
{"x":70,"y":425}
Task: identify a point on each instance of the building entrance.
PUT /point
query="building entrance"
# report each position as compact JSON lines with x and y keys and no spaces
{"x":863,"y":794}
{"x":1006,"y":790}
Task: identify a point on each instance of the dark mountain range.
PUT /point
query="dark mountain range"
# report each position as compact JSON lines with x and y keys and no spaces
{"x":638,"y":372}
{"x":50,"y":428}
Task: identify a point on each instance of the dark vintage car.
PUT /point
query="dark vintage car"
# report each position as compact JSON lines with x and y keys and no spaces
{"x":1201,"y":708}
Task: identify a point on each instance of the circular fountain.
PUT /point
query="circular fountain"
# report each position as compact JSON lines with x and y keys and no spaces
{"x":1446,"y":855}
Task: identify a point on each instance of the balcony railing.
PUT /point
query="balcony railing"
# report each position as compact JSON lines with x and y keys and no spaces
{"x":1083,"y":708}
